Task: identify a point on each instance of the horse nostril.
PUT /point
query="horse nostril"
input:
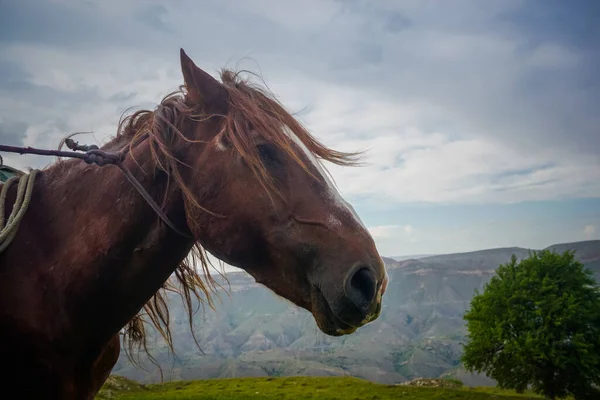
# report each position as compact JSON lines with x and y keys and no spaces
{"x":361,"y":287}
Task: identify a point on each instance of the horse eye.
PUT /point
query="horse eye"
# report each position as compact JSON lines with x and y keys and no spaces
{"x":267,"y":154}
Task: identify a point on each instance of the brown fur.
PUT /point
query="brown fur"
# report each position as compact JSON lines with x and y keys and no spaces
{"x":91,"y":258}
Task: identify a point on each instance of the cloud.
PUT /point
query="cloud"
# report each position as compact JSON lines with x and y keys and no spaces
{"x":457,"y":103}
{"x":12,"y":133}
{"x":391,"y":238}
{"x":589,"y":231}
{"x":384,"y":231}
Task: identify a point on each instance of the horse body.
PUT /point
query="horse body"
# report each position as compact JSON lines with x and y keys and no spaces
{"x":83,"y":264}
{"x":90,"y":254}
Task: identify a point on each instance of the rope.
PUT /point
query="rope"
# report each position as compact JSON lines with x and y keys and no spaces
{"x":24,"y":190}
{"x":92,"y":155}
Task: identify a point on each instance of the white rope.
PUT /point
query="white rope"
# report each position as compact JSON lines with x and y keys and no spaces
{"x":24,"y":190}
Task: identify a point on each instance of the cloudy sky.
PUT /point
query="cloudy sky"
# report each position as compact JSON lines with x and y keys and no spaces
{"x":481,"y":118}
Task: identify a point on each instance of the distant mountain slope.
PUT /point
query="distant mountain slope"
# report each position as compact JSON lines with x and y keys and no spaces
{"x":255,"y":333}
{"x":411,"y":257}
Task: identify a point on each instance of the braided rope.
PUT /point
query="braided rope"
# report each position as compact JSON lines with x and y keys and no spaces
{"x":24,"y":191}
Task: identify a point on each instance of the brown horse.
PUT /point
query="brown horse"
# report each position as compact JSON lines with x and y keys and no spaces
{"x":237,"y":175}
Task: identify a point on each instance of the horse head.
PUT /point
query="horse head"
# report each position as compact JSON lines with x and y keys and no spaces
{"x":257,"y":198}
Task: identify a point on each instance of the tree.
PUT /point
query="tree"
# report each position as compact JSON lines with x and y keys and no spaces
{"x":537,"y":324}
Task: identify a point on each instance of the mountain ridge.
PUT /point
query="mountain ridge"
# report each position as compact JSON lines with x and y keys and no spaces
{"x":253,"y":332}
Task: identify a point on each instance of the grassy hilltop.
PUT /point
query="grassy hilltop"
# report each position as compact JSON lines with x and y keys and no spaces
{"x":296,"y":388}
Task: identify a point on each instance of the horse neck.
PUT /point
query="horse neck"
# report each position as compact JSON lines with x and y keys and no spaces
{"x":110,"y":252}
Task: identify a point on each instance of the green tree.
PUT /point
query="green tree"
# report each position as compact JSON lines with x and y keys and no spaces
{"x":537,"y":324}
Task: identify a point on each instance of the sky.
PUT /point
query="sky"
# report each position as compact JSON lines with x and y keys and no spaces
{"x":480,"y":119}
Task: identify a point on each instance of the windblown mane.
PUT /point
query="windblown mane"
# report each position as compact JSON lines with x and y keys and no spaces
{"x":250,"y":107}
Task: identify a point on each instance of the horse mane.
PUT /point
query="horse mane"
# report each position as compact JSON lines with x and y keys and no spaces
{"x":251,"y":107}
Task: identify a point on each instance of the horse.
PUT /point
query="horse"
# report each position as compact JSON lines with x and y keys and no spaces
{"x":236,"y":176}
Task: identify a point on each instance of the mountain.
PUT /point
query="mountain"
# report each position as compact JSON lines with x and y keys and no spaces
{"x":411,"y":257}
{"x":253,"y":332}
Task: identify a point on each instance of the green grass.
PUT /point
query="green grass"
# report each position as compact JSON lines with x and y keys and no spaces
{"x":296,"y":388}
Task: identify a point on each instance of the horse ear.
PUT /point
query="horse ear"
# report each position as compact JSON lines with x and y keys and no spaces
{"x":202,"y":88}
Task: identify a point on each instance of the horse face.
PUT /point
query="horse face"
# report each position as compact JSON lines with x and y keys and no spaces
{"x":273,"y":211}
